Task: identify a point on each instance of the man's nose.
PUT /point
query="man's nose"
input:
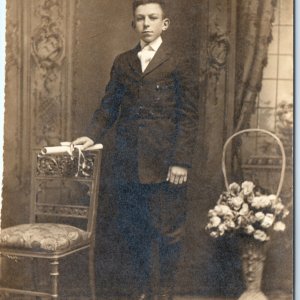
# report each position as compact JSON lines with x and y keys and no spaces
{"x":146,"y":22}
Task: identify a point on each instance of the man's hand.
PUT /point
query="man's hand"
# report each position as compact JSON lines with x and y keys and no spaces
{"x":84,"y":141}
{"x":177,"y":175}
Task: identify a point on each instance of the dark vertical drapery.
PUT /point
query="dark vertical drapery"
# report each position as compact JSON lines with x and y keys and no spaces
{"x":254,"y":33}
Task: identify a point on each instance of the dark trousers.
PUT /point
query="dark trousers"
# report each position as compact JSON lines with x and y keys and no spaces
{"x":149,"y":212}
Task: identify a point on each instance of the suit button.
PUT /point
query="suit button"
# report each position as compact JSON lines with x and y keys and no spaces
{"x":157,"y":99}
{"x":157,"y":87}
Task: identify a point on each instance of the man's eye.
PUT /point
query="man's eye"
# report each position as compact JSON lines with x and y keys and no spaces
{"x":153,"y":18}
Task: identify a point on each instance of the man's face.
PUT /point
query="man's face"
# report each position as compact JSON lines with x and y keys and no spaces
{"x":149,"y":21}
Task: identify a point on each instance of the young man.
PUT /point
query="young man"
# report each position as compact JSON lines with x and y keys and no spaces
{"x":151,"y":98}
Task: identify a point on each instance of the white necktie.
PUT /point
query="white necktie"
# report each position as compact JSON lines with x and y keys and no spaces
{"x":145,"y":56}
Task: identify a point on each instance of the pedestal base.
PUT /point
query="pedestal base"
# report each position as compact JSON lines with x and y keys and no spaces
{"x":253,"y":257}
{"x":253,"y":295}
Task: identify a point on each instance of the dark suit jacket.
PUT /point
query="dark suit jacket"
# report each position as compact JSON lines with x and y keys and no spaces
{"x":155,"y":113}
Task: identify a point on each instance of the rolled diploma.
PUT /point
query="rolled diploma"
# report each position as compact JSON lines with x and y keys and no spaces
{"x":56,"y":149}
{"x":94,"y":147}
{"x":67,"y":149}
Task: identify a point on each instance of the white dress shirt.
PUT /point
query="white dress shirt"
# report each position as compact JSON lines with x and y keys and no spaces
{"x":148,"y":51}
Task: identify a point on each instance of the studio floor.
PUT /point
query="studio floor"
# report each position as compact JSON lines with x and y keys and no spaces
{"x":270,"y":297}
{"x":276,"y":296}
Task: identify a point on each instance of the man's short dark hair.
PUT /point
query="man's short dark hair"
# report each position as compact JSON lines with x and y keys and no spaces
{"x":137,"y":3}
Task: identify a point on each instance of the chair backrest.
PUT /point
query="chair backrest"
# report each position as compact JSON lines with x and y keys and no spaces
{"x":65,"y":188}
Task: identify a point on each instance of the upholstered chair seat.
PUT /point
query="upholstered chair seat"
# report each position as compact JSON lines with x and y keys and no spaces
{"x":44,"y":237}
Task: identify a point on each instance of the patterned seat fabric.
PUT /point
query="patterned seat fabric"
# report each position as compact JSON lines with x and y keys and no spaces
{"x":45,"y":237}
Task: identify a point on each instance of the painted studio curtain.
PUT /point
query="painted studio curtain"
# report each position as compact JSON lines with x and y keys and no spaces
{"x":254,"y":33}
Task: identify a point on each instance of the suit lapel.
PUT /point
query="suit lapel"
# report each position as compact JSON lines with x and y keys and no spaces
{"x":162,"y":54}
{"x":134,"y":61}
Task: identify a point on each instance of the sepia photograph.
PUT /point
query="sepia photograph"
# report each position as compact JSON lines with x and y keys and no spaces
{"x":148,"y":150}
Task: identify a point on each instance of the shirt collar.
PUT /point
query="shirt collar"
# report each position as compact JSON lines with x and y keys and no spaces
{"x":154,"y":45}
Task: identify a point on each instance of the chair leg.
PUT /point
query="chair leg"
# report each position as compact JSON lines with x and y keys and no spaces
{"x":35,"y":275}
{"x":92,"y":275}
{"x":54,"y":278}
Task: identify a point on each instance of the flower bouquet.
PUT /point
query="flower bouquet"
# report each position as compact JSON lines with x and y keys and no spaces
{"x":248,"y":211}
{"x":245,"y":210}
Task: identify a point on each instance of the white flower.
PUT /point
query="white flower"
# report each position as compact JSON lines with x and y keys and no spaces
{"x":285,"y":213}
{"x":273,"y":199}
{"x":244,"y":210}
{"x":279,"y":207}
{"x":247,"y":187}
{"x":222,"y":228}
{"x":279,"y":226}
{"x":223,"y":210}
{"x":214,"y":234}
{"x":268,"y":221}
{"x":259,"y":216}
{"x":237,"y":202}
{"x":252,"y":219}
{"x":261,"y":202}
{"x":229,"y":223}
{"x":234,"y":188}
{"x":215,"y":221}
{"x":212,"y":213}
{"x":260,"y":235}
{"x":249,"y":229}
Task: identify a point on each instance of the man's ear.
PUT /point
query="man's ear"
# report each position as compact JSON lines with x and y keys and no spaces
{"x":133,"y":24}
{"x":166,"y":24}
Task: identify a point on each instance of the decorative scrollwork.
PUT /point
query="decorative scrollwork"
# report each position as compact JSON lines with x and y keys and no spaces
{"x":218,"y":51}
{"x":48,"y":50}
{"x":65,"y":165}
{"x":74,"y":211}
{"x":48,"y":40}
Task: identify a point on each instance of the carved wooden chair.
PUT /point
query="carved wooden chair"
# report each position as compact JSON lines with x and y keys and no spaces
{"x":63,"y":216}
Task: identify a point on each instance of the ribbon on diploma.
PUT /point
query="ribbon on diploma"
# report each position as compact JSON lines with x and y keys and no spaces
{"x":69,"y":148}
